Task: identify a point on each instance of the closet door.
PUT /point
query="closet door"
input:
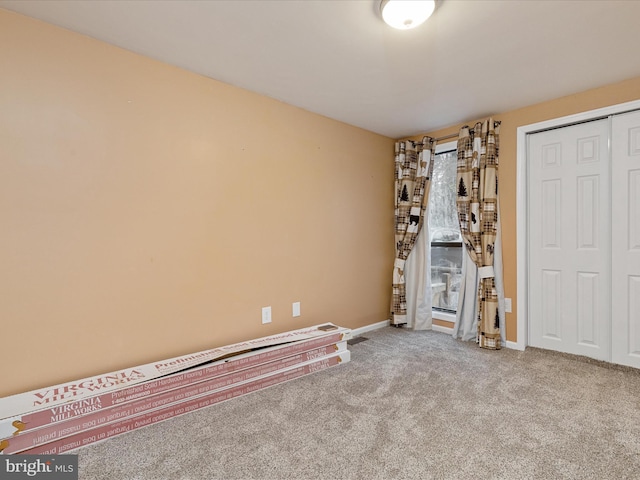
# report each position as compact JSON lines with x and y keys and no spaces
{"x":625,"y":222}
{"x":569,"y":240}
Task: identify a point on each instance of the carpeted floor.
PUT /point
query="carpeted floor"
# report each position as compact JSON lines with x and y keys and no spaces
{"x":414,"y":405}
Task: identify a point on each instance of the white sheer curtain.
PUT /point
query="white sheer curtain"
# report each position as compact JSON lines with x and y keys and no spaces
{"x":417,"y":272}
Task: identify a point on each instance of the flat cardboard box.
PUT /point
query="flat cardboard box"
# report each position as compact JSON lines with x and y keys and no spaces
{"x":75,"y":425}
{"x":79,"y":397}
{"x":87,"y":437}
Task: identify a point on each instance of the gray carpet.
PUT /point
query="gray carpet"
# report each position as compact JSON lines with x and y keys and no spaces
{"x":414,"y":405}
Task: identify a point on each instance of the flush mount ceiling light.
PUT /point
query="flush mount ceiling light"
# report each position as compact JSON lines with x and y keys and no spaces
{"x":406,"y":14}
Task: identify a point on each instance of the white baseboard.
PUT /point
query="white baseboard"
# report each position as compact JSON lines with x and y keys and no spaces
{"x":441,"y":329}
{"x":436,"y":328}
{"x":367,"y":328}
{"x":514,"y":345}
{"x":375,"y":326}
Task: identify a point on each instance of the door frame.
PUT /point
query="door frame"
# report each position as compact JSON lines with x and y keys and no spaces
{"x":522,"y":207}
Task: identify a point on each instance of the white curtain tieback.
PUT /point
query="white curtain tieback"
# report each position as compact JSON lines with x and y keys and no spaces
{"x":399,"y":263}
{"x":486,"y":272}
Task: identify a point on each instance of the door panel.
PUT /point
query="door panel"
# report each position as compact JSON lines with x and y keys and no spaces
{"x":625,"y":176}
{"x":588,"y":308}
{"x":569,"y":248}
{"x":588,"y":209}
{"x":551,"y":305}
{"x":551,"y":222}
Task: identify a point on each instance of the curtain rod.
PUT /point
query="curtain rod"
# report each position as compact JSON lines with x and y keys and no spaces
{"x":454,"y":135}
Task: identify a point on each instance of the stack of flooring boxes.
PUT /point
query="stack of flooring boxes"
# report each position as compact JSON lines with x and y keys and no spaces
{"x":64,"y":417}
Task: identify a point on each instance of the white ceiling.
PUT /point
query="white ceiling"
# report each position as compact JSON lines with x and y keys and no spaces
{"x":472,"y":58}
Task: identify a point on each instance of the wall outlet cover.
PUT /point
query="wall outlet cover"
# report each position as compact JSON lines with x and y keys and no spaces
{"x":266,"y":315}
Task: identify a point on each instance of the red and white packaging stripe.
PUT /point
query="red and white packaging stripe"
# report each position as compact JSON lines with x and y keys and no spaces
{"x":128,"y":384}
{"x":33,"y":438}
{"x":198,"y":374}
{"x":128,"y":424}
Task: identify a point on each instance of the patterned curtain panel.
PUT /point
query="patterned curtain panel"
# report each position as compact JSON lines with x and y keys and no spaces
{"x":414,"y":167}
{"x":477,"y":202}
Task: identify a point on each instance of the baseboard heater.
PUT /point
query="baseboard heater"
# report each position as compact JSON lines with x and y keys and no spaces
{"x":64,"y":417}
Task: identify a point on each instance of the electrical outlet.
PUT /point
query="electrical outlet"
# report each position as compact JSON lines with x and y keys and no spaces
{"x":507,"y":305}
{"x":296,"y":309}
{"x":266,"y":315}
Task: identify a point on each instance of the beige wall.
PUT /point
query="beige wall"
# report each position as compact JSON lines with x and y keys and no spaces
{"x":149,"y":212}
{"x":580,"y":102}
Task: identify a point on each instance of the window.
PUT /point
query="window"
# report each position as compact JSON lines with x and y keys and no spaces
{"x":446,"y":240}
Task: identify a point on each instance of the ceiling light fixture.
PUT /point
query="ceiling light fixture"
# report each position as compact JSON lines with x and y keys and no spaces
{"x":406,"y":14}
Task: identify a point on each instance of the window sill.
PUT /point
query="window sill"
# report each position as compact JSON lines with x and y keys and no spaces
{"x":443,"y":321}
{"x":444,"y":316}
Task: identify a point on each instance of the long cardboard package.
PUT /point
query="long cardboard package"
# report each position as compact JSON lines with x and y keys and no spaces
{"x":103,"y":416}
{"x":24,"y":417}
{"x":133,"y":422}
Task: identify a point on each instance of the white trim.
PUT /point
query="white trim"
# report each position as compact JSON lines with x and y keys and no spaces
{"x":367,"y":328}
{"x":513,"y":345}
{"x":436,"y":328}
{"x":356,"y":332}
{"x":446,"y":147}
{"x":441,"y":329}
{"x":522,"y":213}
{"x":444,"y":316}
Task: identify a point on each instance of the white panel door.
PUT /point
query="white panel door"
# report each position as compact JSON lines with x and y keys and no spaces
{"x":625,"y":176}
{"x":569,"y":240}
